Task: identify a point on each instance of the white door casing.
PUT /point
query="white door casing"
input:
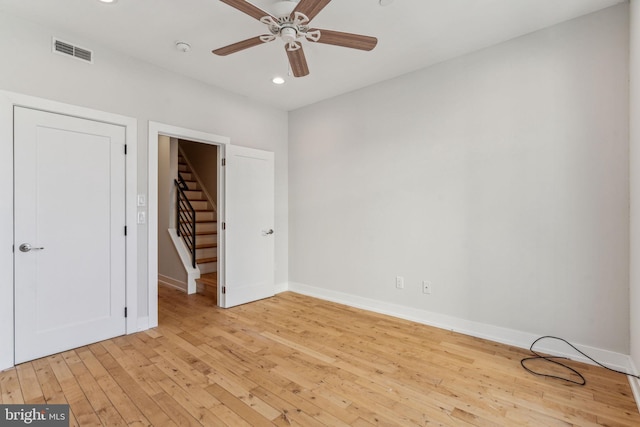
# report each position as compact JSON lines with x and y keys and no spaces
{"x":249,"y":226}
{"x":70,"y":200}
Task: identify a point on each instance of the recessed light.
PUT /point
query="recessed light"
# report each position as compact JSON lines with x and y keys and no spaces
{"x":108,"y":1}
{"x":278,"y":80}
{"x":385,"y":2}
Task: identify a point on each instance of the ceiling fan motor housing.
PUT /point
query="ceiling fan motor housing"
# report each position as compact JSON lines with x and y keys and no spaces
{"x":288,"y":34}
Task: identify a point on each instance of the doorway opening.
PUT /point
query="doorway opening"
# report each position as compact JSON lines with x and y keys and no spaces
{"x":188,"y":215}
{"x":158,"y":133}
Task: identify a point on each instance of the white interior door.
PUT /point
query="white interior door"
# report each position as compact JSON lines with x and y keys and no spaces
{"x":70,"y":208}
{"x":249,"y":218}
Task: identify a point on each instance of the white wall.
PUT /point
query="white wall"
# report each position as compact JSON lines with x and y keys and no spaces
{"x":635,"y":186}
{"x":119,"y":84}
{"x":501,"y":176}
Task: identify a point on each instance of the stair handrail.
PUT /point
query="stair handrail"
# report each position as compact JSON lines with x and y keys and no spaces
{"x":185,"y":217}
{"x":182,"y":182}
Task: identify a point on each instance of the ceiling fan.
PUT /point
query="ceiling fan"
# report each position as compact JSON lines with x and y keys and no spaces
{"x":293,"y":28}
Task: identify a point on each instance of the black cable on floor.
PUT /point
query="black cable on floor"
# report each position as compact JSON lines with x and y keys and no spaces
{"x":551,"y":359}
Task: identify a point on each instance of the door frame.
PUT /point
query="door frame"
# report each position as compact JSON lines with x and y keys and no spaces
{"x":7,"y":102}
{"x":155,"y":130}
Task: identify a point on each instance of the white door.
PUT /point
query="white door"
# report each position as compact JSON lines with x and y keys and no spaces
{"x":70,"y":208}
{"x":249,"y":231}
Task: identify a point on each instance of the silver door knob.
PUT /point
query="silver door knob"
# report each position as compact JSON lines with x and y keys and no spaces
{"x":26,"y":247}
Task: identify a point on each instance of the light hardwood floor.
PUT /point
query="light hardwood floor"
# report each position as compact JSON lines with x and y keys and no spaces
{"x":292,"y":360}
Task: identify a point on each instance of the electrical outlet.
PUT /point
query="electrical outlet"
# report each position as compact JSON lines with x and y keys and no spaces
{"x":426,"y":287}
{"x":399,"y":282}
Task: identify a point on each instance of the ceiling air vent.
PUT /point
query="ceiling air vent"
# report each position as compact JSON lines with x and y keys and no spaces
{"x":77,"y":52}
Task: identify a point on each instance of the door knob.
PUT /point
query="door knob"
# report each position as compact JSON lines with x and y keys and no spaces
{"x":26,"y":247}
{"x":267,"y":232}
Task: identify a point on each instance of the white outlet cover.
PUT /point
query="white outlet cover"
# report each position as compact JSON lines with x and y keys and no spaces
{"x":426,"y":287}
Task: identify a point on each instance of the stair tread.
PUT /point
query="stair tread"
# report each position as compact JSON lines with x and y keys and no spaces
{"x":206,"y":221}
{"x":206,"y":281}
{"x":206,"y":245}
{"x":207,"y":260}
{"x":206,"y":233}
{"x":208,"y":278}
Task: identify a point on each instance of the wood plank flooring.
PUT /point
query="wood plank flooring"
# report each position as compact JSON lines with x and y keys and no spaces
{"x":292,"y":360}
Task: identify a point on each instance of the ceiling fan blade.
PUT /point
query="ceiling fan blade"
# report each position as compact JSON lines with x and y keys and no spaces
{"x":353,"y":41}
{"x":310,"y":8}
{"x":248,"y":8}
{"x":245,"y":44}
{"x":297,"y":61}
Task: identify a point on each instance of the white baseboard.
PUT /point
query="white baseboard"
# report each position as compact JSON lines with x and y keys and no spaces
{"x":173,"y":283}
{"x":281,"y":287}
{"x":499,"y":334}
{"x":635,"y":383}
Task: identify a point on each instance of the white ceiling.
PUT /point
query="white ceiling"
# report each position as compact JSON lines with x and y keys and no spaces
{"x":412,"y":34}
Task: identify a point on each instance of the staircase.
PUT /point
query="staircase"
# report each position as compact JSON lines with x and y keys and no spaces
{"x":206,"y":223}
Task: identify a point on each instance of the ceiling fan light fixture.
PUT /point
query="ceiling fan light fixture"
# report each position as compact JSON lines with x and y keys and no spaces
{"x":289,"y":34}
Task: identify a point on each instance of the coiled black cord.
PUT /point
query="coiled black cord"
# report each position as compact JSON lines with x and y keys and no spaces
{"x":552,"y":359}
